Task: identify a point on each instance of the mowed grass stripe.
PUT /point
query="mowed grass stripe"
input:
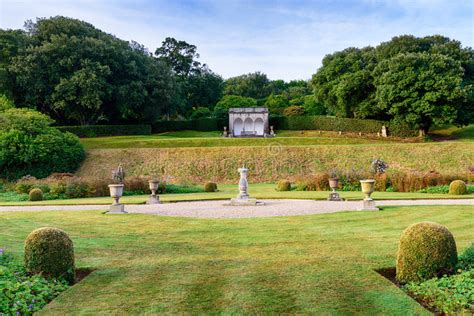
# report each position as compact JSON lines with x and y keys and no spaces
{"x":306,"y":264}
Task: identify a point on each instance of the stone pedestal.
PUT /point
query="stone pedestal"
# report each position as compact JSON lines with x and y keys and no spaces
{"x":243,"y":198}
{"x":334,"y":196}
{"x":368,"y":205}
{"x":117,"y":209}
{"x":153,"y":200}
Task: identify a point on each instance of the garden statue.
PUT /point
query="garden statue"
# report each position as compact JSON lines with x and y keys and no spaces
{"x":243,"y":196}
{"x":272,"y":132}
{"x":225,"y":134}
{"x":154,"y":184}
{"x":116,"y":191}
{"x":384,"y":131}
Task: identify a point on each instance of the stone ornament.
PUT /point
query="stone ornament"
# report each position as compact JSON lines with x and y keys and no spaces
{"x":243,"y":197}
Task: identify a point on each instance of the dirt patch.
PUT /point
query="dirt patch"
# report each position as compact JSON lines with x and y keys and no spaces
{"x":81,"y":273}
{"x":390,"y":274}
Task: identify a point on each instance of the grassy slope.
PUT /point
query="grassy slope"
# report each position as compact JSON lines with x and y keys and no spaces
{"x":196,"y":157}
{"x":321,"y":264}
{"x":227,"y":191}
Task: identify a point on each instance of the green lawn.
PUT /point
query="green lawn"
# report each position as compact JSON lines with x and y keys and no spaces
{"x":322,"y":264}
{"x":464,"y":134}
{"x":212,"y":139}
{"x":227,"y":191}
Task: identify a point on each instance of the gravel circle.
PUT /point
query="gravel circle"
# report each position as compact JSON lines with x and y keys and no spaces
{"x":218,"y":209}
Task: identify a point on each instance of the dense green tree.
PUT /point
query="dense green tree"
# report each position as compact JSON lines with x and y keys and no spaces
{"x":232,"y":101}
{"x":78,"y":74}
{"x":12,"y":44}
{"x":345,"y":81}
{"x":200,"y":112}
{"x":312,"y":107}
{"x":5,"y":103}
{"x":421,"y":89}
{"x":294,"y":110}
{"x":198,"y":85}
{"x":179,"y":55}
{"x":204,"y":88}
{"x":276,"y":103}
{"x":253,"y":85}
{"x":29,"y":145}
{"x":345,"y":84}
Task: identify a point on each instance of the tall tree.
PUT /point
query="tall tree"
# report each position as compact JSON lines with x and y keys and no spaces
{"x":78,"y":74}
{"x":421,"y":89}
{"x":253,"y":85}
{"x":179,"y":55}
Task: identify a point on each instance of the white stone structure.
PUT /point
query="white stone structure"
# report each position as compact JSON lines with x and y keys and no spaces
{"x":245,"y":122}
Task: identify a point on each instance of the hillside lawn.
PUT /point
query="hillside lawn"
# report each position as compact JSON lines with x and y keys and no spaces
{"x":198,"y":157}
{"x":321,"y":264}
{"x":227,"y":191}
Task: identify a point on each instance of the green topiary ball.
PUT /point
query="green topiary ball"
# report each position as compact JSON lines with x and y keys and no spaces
{"x":49,"y":252}
{"x":426,"y":250}
{"x":283,"y":185}
{"x":36,"y":195}
{"x":210,"y":187}
{"x":457,"y":187}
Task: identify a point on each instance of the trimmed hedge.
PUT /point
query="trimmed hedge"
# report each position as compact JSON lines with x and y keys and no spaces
{"x":49,"y":252}
{"x":328,"y":123}
{"x":426,"y":250}
{"x":457,"y":187}
{"x":203,"y":125}
{"x":106,"y":130}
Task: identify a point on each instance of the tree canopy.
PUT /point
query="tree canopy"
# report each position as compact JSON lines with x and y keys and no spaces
{"x":421,"y":81}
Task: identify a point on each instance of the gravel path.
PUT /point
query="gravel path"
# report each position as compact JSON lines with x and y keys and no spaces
{"x":216,"y":209}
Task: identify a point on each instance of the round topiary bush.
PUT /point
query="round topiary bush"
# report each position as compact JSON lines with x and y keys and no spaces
{"x":283,"y":185}
{"x":210,"y":187}
{"x":36,"y":195}
{"x":426,"y":250}
{"x":457,"y":187}
{"x":49,"y":252}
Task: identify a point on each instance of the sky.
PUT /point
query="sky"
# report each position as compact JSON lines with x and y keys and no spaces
{"x":284,"y":39}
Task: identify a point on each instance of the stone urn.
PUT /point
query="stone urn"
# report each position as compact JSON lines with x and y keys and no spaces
{"x":116,"y":192}
{"x":154,"y":198}
{"x":367,"y":188}
{"x":333,"y":183}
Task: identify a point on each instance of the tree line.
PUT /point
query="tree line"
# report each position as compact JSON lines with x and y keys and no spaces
{"x":78,"y":74}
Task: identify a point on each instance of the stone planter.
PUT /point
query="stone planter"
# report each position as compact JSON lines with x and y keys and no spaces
{"x":154,"y":198}
{"x":333,"y":183}
{"x":367,"y":188}
{"x":116,"y":192}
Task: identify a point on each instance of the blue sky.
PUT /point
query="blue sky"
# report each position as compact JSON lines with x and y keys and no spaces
{"x":285,"y":39}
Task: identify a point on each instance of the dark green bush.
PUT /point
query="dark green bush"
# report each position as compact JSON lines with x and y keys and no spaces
{"x":78,"y":189}
{"x":29,"y":145}
{"x":457,"y":187}
{"x":466,"y":259}
{"x":23,"y":187}
{"x":35,"y":195}
{"x":49,"y":252}
{"x":106,"y":130}
{"x":23,"y":294}
{"x":284,"y":185}
{"x":210,"y":187}
{"x":426,"y":250}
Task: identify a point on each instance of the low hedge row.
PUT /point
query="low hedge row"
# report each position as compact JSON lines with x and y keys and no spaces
{"x":107,"y":130}
{"x":326,"y":123}
{"x":203,"y":125}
